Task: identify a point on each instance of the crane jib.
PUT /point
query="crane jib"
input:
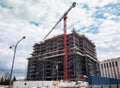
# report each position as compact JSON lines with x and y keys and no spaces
{"x":73,"y":5}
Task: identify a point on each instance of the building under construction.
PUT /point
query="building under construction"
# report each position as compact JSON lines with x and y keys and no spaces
{"x":46,"y":62}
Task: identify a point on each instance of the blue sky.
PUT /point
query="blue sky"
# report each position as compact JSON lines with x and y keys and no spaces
{"x":99,"y":20}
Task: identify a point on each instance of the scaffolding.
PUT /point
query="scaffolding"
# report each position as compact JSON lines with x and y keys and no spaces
{"x":46,"y":62}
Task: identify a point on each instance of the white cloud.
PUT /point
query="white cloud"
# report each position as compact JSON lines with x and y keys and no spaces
{"x":107,"y":41}
{"x":98,"y":3}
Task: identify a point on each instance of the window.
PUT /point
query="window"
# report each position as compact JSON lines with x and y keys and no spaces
{"x":110,"y":64}
{"x":101,"y":65}
{"x":113,"y":64}
{"x":107,"y":65}
{"x":116,"y":63}
{"x":104,"y":65}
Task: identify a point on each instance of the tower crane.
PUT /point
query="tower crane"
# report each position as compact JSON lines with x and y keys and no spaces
{"x":64,"y":17}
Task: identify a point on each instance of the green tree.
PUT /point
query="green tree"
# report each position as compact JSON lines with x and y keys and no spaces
{"x":6,"y":81}
{"x":2,"y":81}
{"x":14,"y":78}
{"x":6,"y":78}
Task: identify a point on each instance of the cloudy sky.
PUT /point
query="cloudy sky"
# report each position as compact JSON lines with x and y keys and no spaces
{"x":97,"y":19}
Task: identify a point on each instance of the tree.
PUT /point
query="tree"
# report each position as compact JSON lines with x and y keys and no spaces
{"x":5,"y":79}
{"x":1,"y":81}
{"x":14,"y":78}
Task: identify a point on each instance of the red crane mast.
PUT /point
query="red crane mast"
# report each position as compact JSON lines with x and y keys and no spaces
{"x":65,"y":39}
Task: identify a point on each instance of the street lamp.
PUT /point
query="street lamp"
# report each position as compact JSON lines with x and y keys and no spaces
{"x":15,"y":45}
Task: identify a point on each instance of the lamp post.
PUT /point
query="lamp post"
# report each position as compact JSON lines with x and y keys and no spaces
{"x":14,"y":58}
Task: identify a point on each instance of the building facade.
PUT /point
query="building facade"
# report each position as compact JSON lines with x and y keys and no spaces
{"x":46,"y":62}
{"x":110,"y":68}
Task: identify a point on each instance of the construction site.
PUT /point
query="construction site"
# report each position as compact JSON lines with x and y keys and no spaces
{"x":63,"y":57}
{"x":65,"y":61}
{"x":47,"y":61}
